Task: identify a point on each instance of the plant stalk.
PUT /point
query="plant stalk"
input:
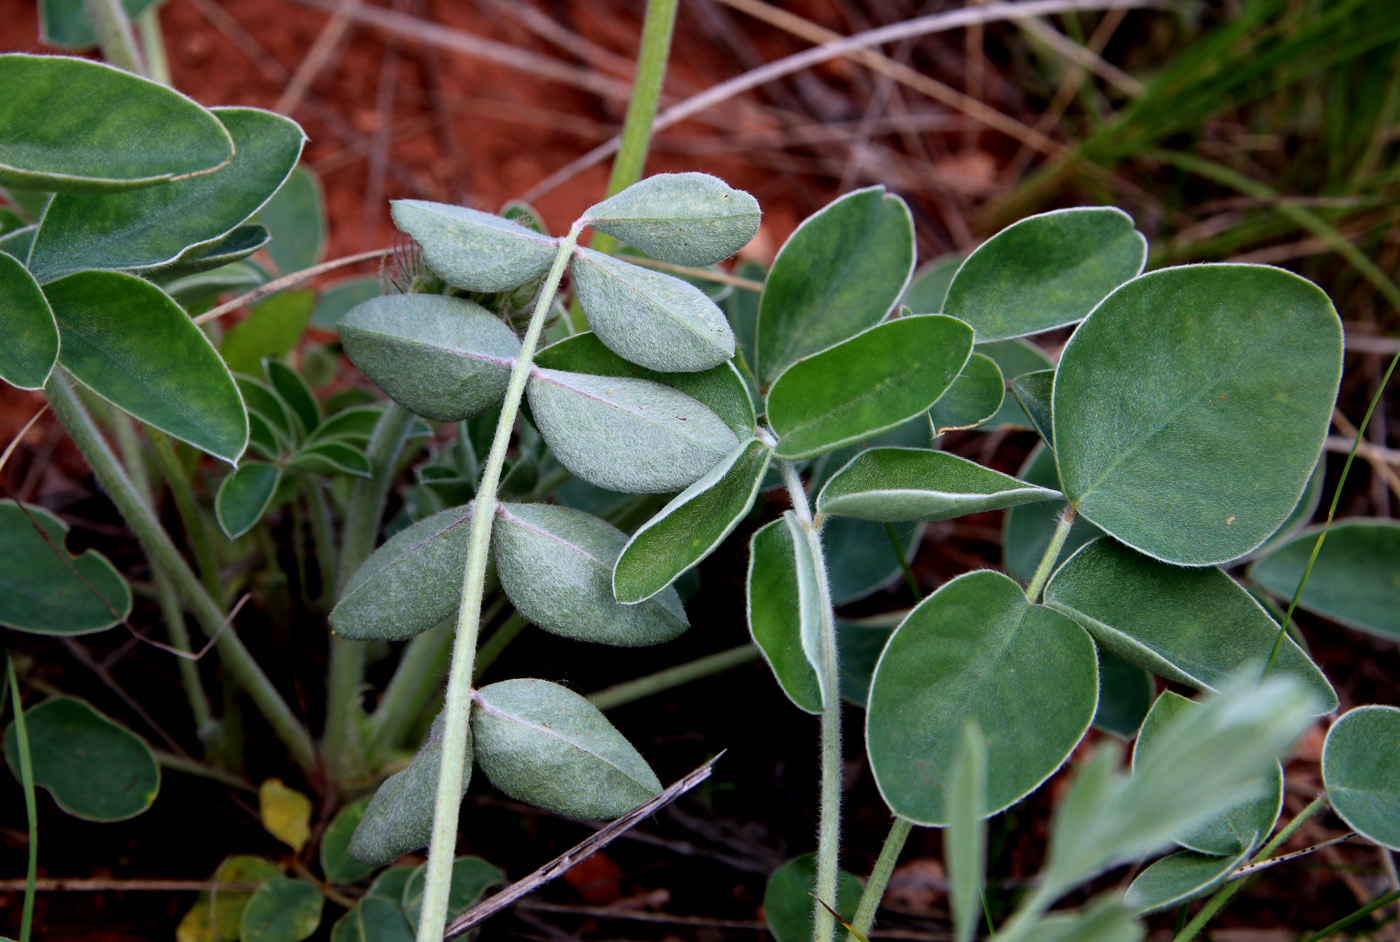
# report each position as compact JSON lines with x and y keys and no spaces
{"x":153,"y":45}
{"x":177,"y":479}
{"x":433,"y":916}
{"x":880,"y":877}
{"x":629,"y":691}
{"x":829,"y":826}
{"x":114,"y":35}
{"x":347,"y":753}
{"x":1052,"y":555}
{"x":657,"y":28}
{"x":163,"y":554}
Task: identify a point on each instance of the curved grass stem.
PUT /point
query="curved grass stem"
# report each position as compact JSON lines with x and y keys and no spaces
{"x":433,"y":917}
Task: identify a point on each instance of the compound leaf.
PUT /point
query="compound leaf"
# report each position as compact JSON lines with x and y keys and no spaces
{"x":44,"y":589}
{"x":472,"y":249}
{"x":1191,"y":407}
{"x":685,"y":218}
{"x":1045,"y":271}
{"x":973,"y":399}
{"x":1361,"y":775}
{"x":783,"y":609}
{"x":30,"y":350}
{"x":977,"y":650}
{"x":548,"y":746}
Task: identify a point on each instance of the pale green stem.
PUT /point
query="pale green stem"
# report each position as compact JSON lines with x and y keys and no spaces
{"x":880,"y":877}
{"x":617,"y":695}
{"x":346,"y":675}
{"x":657,"y":28}
{"x":176,"y":763}
{"x":114,"y":35}
{"x":153,"y":45}
{"x":31,"y":809}
{"x":1052,"y":555}
{"x":166,"y":596}
{"x":177,"y":479}
{"x":1226,"y":893}
{"x":433,"y":917}
{"x":829,"y":826}
{"x":162,"y":552}
{"x":322,"y":535}
{"x":415,"y":682}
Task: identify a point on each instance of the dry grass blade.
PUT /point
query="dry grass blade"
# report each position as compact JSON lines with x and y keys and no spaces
{"x":316,"y":59}
{"x":578,"y":853}
{"x":846,"y":46}
{"x":288,"y":281}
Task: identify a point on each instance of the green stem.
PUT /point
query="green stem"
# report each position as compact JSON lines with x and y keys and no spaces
{"x":322,"y":535}
{"x":617,"y":695}
{"x":114,"y":35}
{"x":347,"y":753}
{"x":415,"y":681}
{"x":177,"y":479}
{"x":1378,"y":903}
{"x":880,"y":877}
{"x":176,"y":763}
{"x":1227,"y":892}
{"x":153,"y":45}
{"x":1052,"y":555}
{"x":168,"y":599}
{"x":657,"y":29}
{"x":829,"y":825}
{"x":31,"y":810}
{"x":162,"y":552}
{"x":433,"y":916}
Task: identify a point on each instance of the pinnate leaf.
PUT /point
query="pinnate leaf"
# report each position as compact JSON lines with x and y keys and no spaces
{"x":685,"y":218}
{"x":43,"y":589}
{"x":94,"y":768}
{"x":1355,"y":581}
{"x":977,"y":650}
{"x":556,"y":563}
{"x":973,"y":399}
{"x":783,"y":608}
{"x":410,"y":583}
{"x":1190,"y":408}
{"x":1361,"y":775}
{"x":336,"y":862}
{"x":839,"y":273}
{"x":872,"y":382}
{"x":1194,"y":626}
{"x":650,"y":318}
{"x":157,"y":225}
{"x":399,"y":817}
{"x":374,"y":919}
{"x":1045,"y":271}
{"x":30,"y":350}
{"x":548,"y":746}
{"x":127,"y":341}
{"x":443,"y":358}
{"x":627,"y":434}
{"x":1180,"y":878}
{"x":114,"y":131}
{"x":472,"y":249}
{"x":890,"y":484}
{"x":689,"y":528}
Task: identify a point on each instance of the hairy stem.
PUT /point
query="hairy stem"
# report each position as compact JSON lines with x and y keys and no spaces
{"x":880,"y":877}
{"x":153,"y":45}
{"x":1052,"y":555}
{"x":628,"y":691}
{"x":159,"y":548}
{"x":346,"y":754}
{"x":114,"y":35}
{"x":177,"y":479}
{"x":829,"y":827}
{"x":657,"y":29}
{"x":433,"y":917}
